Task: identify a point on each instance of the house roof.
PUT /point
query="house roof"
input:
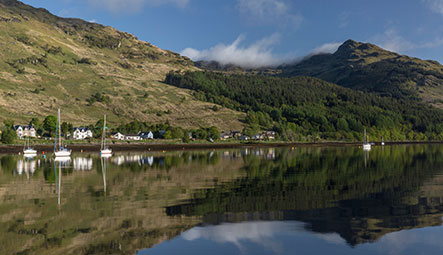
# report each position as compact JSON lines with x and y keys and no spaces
{"x":22,"y":126}
{"x":82,"y":129}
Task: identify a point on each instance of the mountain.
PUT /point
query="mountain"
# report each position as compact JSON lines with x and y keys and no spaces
{"x":367,"y":67}
{"x":87,"y":69}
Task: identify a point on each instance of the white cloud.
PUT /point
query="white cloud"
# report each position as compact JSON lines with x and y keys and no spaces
{"x":392,"y":41}
{"x":258,"y":54}
{"x":134,"y":5}
{"x":269,"y":11}
{"x":434,"y":5}
{"x":326,"y":48}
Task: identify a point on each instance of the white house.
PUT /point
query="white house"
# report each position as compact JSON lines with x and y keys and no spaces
{"x":81,"y":133}
{"x":146,"y":135}
{"x":25,"y":131}
{"x":133,"y":137}
{"x":118,"y":136}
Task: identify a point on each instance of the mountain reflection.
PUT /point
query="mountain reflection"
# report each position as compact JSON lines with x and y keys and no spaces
{"x":134,"y":201}
{"x":341,"y":191}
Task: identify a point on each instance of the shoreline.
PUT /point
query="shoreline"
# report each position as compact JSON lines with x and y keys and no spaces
{"x":122,"y":147}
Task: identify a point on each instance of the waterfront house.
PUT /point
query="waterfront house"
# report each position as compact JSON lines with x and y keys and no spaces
{"x":118,"y":136}
{"x":146,"y":135}
{"x":25,"y":131}
{"x":226,"y":135}
{"x":270,"y":135}
{"x":81,"y":133}
{"x":244,"y":138}
{"x":132,"y":137}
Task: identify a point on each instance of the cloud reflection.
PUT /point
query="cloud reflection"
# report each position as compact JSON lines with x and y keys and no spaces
{"x":261,"y":233}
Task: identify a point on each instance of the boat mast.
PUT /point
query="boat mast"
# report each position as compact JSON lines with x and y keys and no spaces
{"x":59,"y":131}
{"x":103,"y":135}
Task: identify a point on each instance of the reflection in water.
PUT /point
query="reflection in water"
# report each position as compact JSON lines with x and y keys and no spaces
{"x":26,"y":166}
{"x":82,"y":164}
{"x":261,"y":233}
{"x":247,"y":201}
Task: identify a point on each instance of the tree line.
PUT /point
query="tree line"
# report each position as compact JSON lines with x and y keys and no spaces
{"x":303,"y":108}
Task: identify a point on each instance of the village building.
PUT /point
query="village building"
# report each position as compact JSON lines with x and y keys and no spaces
{"x":146,"y":135}
{"x":118,"y":136}
{"x":25,"y":131}
{"x":132,"y":137}
{"x":81,"y":133}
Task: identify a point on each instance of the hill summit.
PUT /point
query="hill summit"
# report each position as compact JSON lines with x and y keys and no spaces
{"x":367,"y":67}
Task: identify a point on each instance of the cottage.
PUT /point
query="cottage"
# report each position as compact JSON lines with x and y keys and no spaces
{"x":133,"y":137}
{"x":25,"y":131}
{"x":118,"y":136}
{"x":270,"y":135}
{"x":244,"y":138}
{"x":81,"y":133}
{"x":226,"y":135}
{"x":146,"y":135}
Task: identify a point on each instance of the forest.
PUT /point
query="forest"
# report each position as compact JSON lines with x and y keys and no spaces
{"x":309,"y":109}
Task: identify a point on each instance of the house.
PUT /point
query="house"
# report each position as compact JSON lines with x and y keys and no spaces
{"x":81,"y":133}
{"x":244,"y":138}
{"x":260,"y":136}
{"x":226,"y":135}
{"x":236,"y":134}
{"x":270,"y":135}
{"x":25,"y":131}
{"x":118,"y":136}
{"x":132,"y":137}
{"x":146,"y":135}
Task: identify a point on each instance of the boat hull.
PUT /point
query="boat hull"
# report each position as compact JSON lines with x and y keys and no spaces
{"x":29,"y":152}
{"x":106,"y":152}
{"x":63,"y":153}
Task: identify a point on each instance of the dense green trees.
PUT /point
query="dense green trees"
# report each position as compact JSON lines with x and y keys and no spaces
{"x":316,"y":108}
{"x":8,"y":133}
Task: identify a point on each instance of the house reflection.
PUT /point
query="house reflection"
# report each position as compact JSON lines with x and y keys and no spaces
{"x":82,"y":164}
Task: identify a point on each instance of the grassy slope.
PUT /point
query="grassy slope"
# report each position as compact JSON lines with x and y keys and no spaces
{"x":367,"y":67}
{"x":127,"y":70}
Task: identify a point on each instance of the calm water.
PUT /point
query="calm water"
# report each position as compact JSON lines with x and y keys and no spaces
{"x":248,"y":201}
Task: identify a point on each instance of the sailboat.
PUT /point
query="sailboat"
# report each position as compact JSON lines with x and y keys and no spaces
{"x":382,"y":141}
{"x":60,"y":151}
{"x":28,"y":151}
{"x":366,"y":145}
{"x":104,"y":150}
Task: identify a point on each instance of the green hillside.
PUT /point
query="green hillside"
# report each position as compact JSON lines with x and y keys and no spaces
{"x":367,"y":67}
{"x":301,"y":108}
{"x":87,"y":69}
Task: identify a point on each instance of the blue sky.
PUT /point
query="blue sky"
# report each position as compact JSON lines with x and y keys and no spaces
{"x":258,"y":32}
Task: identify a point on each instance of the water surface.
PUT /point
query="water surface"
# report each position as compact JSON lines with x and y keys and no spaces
{"x":246,"y":201}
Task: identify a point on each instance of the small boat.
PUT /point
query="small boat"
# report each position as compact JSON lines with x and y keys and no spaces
{"x":28,"y":151}
{"x":60,"y":151}
{"x":366,"y":145}
{"x":382,"y":142}
{"x":104,"y":150}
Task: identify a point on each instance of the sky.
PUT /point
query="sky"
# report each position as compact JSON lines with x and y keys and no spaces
{"x":255,"y":33}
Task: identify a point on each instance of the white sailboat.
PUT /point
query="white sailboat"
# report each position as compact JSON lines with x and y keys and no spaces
{"x":60,"y":151}
{"x":104,"y":150}
{"x":366,"y":145}
{"x":382,"y":141}
{"x":28,"y":151}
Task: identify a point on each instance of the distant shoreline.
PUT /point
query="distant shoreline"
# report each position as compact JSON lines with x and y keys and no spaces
{"x":122,"y":147}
